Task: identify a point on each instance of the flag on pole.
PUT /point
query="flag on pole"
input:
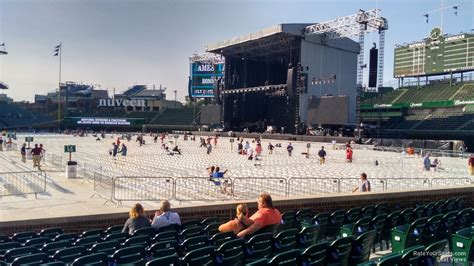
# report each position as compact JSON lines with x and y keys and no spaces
{"x":57,"y":49}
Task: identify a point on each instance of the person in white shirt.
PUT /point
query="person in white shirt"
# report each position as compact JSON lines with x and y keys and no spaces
{"x":164,"y":216}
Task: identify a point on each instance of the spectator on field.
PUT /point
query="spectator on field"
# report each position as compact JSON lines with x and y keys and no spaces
{"x":124,"y":150}
{"x":266,"y":215}
{"x":164,"y":216}
{"x":410,"y":151}
{"x":349,"y":154}
{"x":43,"y":153}
{"x":322,"y":156}
{"x":23,"y":153}
{"x":210,"y":171}
{"x":1,"y":143}
{"x":364,"y":185}
{"x":240,"y":148}
{"x":36,"y":152}
{"x":239,"y":223}
{"x":289,"y":149}
{"x":258,"y":150}
{"x":208,"y":147}
{"x":177,"y":150}
{"x":470,"y":164}
{"x":137,"y":219}
{"x":427,"y":162}
{"x":435,"y":163}
{"x":270,"y":148}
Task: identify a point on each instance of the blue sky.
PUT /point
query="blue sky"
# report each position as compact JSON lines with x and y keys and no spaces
{"x":118,"y":43}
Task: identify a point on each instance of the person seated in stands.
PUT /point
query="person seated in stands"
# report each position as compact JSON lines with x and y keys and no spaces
{"x":164,"y":216}
{"x":137,"y":219}
{"x":176,"y":150}
{"x":239,"y":223}
{"x":267,"y":215}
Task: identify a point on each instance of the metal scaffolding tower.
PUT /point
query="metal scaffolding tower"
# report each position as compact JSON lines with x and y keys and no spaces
{"x":356,"y":25}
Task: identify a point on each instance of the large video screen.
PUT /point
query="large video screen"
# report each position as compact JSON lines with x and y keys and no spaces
{"x":203,"y":77}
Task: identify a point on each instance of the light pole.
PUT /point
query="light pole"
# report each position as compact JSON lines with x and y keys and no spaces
{"x":175,"y":97}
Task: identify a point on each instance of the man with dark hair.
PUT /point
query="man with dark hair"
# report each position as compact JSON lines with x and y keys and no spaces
{"x":265,"y":216}
{"x":322,"y":156}
{"x":36,"y":152}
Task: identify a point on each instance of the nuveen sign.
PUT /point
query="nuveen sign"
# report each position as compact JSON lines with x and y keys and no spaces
{"x":121,"y":103}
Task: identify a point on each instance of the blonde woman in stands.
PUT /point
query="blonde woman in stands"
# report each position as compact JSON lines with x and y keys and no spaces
{"x":239,"y":223}
{"x":137,"y":219}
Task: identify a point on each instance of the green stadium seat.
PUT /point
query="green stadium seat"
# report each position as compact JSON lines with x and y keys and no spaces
{"x":191,"y":232}
{"x":209,"y":220}
{"x":51,"y":232}
{"x":378,"y":223}
{"x":446,"y":226}
{"x":190,"y":223}
{"x":287,"y":258}
{"x":195,"y":242}
{"x":430,"y":232}
{"x":167,"y":235}
{"x":212,"y":228}
{"x":147,"y":231}
{"x":4,"y":239}
{"x":361,"y":247}
{"x":352,"y":215}
{"x":285,"y":240}
{"x":37,"y":243}
{"x":88,"y":241}
{"x":113,"y":229}
{"x":68,"y":255}
{"x":67,"y":236}
{"x":406,"y":216}
{"x":54,"y":263}
{"x":33,"y":259}
{"x":390,"y":223}
{"x":410,"y":257}
{"x":408,"y":235}
{"x":322,"y":220}
{"x":339,"y":251}
{"x":260,"y":262}
{"x":462,"y":245}
{"x":129,"y":255}
{"x":381,"y":208}
{"x":231,"y":252}
{"x":259,"y":246}
{"x":4,"y":247}
{"x":94,"y":232}
{"x":220,"y":238}
{"x":308,"y":236}
{"x":304,"y":216}
{"x":140,"y":240}
{"x":52,"y":247}
{"x":390,"y":259}
{"x":163,"y":248}
{"x":165,"y":260}
{"x":12,"y":254}
{"x":315,"y":255}
{"x":200,"y":256}
{"x":356,"y":228}
{"x":92,"y":259}
{"x":107,"y":247}
{"x":336,"y":220}
{"x":437,"y":248}
{"x":22,"y":237}
{"x":119,"y":236}
{"x":368,"y":211}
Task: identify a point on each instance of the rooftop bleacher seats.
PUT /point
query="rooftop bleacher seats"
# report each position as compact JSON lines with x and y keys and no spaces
{"x":13,"y":115}
{"x":175,"y":116}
